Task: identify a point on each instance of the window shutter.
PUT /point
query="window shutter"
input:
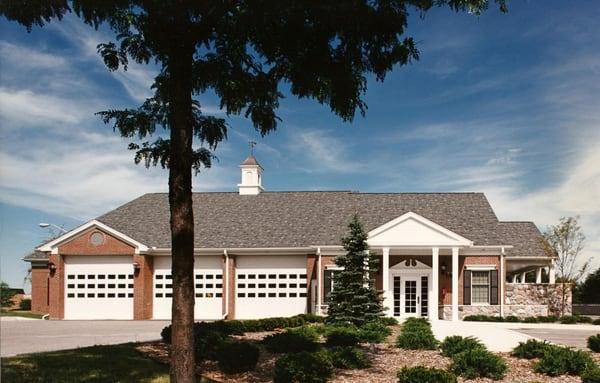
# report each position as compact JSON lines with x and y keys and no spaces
{"x":494,"y":287}
{"x":467,"y":288}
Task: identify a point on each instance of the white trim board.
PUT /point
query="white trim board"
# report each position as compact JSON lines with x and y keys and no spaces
{"x":53,"y":245}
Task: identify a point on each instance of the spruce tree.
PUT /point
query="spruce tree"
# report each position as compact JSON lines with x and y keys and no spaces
{"x":353,"y":298}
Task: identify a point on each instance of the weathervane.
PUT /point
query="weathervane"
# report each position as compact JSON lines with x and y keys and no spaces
{"x":251,"y":144}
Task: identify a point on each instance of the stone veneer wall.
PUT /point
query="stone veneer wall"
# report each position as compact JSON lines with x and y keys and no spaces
{"x":521,"y":300}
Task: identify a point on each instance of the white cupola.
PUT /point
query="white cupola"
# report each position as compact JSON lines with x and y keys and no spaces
{"x":251,"y":172}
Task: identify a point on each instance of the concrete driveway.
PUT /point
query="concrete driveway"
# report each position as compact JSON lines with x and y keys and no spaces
{"x":28,"y":336}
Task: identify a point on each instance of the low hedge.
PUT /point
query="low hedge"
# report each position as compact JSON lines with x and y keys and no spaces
{"x":478,"y":362}
{"x":303,"y":367}
{"x":531,"y":349}
{"x":593,"y":343}
{"x":348,"y":357}
{"x":292,"y":340}
{"x":342,"y":336}
{"x":416,"y":334}
{"x":596,"y":321}
{"x":421,"y":374}
{"x":237,"y":356}
{"x":566,"y":319}
{"x":456,"y":344}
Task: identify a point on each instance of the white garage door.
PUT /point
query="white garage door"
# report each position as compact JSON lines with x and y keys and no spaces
{"x":98,"y":287}
{"x":208,"y":279}
{"x":270,"y":286}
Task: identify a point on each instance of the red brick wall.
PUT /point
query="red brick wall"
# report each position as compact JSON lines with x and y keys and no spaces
{"x":39,"y":289}
{"x":142,"y":287}
{"x":463,"y":261}
{"x":81,"y":245}
{"x":311,"y":275}
{"x":57,"y":287}
{"x":231,"y":283}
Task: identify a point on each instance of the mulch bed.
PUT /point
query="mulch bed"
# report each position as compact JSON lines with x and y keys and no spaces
{"x":386,"y":361}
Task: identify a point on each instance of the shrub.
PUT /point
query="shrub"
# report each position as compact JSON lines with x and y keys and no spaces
{"x":416,"y":335}
{"x":206,"y":343}
{"x":311,"y":318}
{"x":568,"y":319}
{"x":25,"y":304}
{"x":389,"y":321}
{"x":373,"y":332}
{"x":584,"y":319}
{"x":348,"y":357}
{"x":292,"y":340}
{"x":478,"y":362}
{"x":591,"y":375}
{"x":596,"y":321}
{"x":303,"y":367}
{"x":533,"y":348}
{"x":453,"y":345}
{"x":561,"y":360}
{"x":530,"y":320}
{"x":237,"y":356}
{"x":593,"y":343}
{"x":421,"y":374}
{"x":165,"y":334}
{"x":341,"y":336}
{"x":512,"y":318}
{"x":547,"y":319}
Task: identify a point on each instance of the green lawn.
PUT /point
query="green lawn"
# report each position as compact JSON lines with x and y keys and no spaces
{"x":119,"y":363}
{"x":19,"y":313}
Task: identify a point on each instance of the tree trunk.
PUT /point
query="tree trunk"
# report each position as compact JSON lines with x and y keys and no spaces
{"x":182,"y":217}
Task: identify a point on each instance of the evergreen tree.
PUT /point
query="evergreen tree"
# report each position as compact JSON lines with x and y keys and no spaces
{"x":353,"y":298}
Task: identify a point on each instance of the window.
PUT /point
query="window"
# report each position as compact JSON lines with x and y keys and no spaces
{"x":480,"y":282}
{"x":329,"y":276}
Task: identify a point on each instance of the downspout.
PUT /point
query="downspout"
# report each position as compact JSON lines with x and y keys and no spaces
{"x":319,"y":291}
{"x":226,"y":284}
{"x":502,"y":281}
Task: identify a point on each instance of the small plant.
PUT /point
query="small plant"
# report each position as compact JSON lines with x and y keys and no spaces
{"x":568,"y":319}
{"x":292,"y":340}
{"x":453,"y":345}
{"x":421,"y":374}
{"x":388,"y":321}
{"x":530,"y":320}
{"x":303,"y":367}
{"x":25,"y":304}
{"x":373,"y":332}
{"x":341,"y":336}
{"x":593,"y":343}
{"x":562,"y":360}
{"x":591,"y":375}
{"x":348,"y":357}
{"x":237,"y":356}
{"x":478,"y":362}
{"x":206,"y":344}
{"x":416,"y":335}
{"x":531,"y":349}
{"x":596,"y":321}
{"x":584,"y":319}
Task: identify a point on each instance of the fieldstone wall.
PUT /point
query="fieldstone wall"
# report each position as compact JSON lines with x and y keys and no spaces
{"x":522,"y":300}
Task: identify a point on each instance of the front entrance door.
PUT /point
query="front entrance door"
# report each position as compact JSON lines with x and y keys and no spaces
{"x":411,"y":294}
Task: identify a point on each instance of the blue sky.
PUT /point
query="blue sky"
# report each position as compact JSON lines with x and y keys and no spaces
{"x":506,"y":104}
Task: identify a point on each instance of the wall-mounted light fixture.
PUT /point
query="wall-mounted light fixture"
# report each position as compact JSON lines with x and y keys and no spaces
{"x":136,"y":268}
{"x":52,"y":268}
{"x":445,"y":270}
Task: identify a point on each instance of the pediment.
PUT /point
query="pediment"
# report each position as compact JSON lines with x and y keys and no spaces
{"x":412,"y":229}
{"x":410,"y":264}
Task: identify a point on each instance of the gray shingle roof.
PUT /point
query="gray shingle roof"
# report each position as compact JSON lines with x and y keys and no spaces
{"x":36,"y":256}
{"x":299,"y":219}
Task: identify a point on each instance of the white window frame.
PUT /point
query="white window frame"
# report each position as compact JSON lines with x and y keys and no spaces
{"x":489,"y":287}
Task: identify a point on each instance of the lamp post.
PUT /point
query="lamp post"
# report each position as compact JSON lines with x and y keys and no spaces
{"x":51,"y":228}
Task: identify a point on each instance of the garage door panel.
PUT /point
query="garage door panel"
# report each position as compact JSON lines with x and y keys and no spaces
{"x":208,"y":288}
{"x":98,"y":287}
{"x":268,"y":286}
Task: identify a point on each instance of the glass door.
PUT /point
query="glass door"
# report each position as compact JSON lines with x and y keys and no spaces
{"x":410,"y":297}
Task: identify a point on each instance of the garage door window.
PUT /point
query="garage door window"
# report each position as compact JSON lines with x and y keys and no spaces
{"x":271,"y":286}
{"x":88,"y":288}
{"x":207,"y":285}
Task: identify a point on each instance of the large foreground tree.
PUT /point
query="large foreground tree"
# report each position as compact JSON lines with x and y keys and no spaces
{"x":242,"y":51}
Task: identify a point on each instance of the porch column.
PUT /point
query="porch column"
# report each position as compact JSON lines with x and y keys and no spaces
{"x":435,"y":284}
{"x":538,"y":275}
{"x":514,"y":278}
{"x":319,"y":282}
{"x":386,"y":281}
{"x":524,"y":277}
{"x":455,"y":283}
{"x":551,"y":273}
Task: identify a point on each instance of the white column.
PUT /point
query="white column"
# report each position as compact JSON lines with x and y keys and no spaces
{"x":435,"y":284}
{"x":387,"y":301}
{"x":551,"y":273}
{"x":455,"y":283}
{"x":502,"y":281}
{"x":524,"y":277}
{"x":319,"y":285}
{"x":538,"y":275}
{"x":514,"y":278}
